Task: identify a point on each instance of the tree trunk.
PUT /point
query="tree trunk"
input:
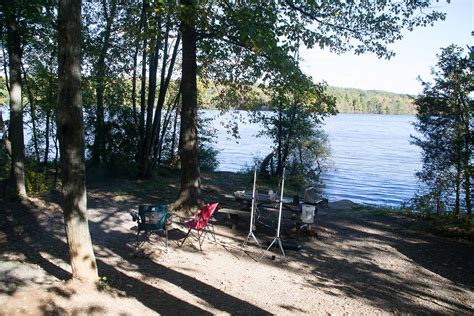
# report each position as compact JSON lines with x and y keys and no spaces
{"x":159,"y":107}
{"x":175,"y":125}
{"x":467,"y":176}
{"x":458,"y":182}
{"x":71,"y":141}
{"x":141,"y":126}
{"x":55,"y":161}
{"x":167,"y":120}
{"x":33,"y":116}
{"x":16,"y":109}
{"x":264,"y":166}
{"x":145,"y":159}
{"x":164,"y":85}
{"x":190,"y":193}
{"x":466,"y":118}
{"x":47,"y":132}
{"x":98,"y":148}
{"x":135,"y":62}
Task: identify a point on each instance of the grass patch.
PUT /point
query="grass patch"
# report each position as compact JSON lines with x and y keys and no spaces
{"x":378,"y":210}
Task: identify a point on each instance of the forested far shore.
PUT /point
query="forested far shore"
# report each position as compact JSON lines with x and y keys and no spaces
{"x":351,"y":100}
{"x":348,"y":100}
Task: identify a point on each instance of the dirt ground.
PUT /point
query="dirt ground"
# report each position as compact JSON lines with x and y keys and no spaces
{"x":358,"y":264}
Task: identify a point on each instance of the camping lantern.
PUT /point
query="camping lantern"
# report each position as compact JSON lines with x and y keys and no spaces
{"x":307,"y":213}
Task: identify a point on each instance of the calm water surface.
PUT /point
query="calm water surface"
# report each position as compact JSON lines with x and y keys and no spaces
{"x":372,"y":159}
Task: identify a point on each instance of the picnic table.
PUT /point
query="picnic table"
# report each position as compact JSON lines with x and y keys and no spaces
{"x":267,"y":201}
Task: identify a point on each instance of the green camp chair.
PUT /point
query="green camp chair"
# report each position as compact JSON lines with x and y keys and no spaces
{"x":151,"y":219}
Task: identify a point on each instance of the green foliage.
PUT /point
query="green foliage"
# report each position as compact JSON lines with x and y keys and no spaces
{"x":208,"y":158}
{"x":425,"y":204}
{"x":36,"y":182}
{"x":369,"y":101}
{"x":445,"y":110}
{"x":207,"y":135}
{"x":348,"y":100}
{"x":252,"y":41}
{"x":378,"y":210}
{"x":120,"y":144}
{"x":39,"y":178}
{"x":298,"y":107}
{"x":241,"y":45}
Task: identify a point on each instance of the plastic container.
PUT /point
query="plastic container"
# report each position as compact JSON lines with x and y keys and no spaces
{"x":307,"y":213}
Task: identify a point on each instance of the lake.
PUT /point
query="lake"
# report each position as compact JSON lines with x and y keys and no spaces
{"x":373,"y":161}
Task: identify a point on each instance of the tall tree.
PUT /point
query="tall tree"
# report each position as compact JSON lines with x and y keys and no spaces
{"x":190,"y":192}
{"x":299,"y":106}
{"x":242,"y":41}
{"x":98,"y":148}
{"x":164,"y":31}
{"x":71,"y":140}
{"x":15,"y":90}
{"x":444,"y":119}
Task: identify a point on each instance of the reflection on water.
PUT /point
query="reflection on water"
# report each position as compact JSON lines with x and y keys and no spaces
{"x":373,"y":161}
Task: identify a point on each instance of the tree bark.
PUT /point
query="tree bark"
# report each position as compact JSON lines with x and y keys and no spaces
{"x":141,"y":126}
{"x":146,"y":151}
{"x":71,"y":141}
{"x":175,"y":124}
{"x":164,"y":85}
{"x":98,"y":148}
{"x":167,"y":120}
{"x":190,"y":192}
{"x":33,"y":116}
{"x":467,"y":180}
{"x":46,"y":133}
{"x":16,"y":110}
{"x":135,"y":63}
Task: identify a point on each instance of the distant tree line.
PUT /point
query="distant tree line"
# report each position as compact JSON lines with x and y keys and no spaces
{"x":350,"y":100}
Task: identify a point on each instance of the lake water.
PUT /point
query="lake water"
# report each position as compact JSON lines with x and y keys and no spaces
{"x":373,"y":161}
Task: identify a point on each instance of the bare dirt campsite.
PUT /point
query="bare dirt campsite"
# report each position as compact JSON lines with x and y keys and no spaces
{"x":360,"y":262}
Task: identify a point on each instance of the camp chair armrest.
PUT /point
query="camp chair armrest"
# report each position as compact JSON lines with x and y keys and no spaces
{"x":135,"y":216}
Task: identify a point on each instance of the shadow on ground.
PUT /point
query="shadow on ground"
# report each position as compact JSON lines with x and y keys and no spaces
{"x":21,"y":227}
{"x":353,"y":273}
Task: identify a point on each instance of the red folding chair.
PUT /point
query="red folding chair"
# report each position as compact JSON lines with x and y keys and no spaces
{"x":201,"y":224}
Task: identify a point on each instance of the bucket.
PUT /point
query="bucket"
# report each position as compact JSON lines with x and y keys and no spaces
{"x":307,"y":213}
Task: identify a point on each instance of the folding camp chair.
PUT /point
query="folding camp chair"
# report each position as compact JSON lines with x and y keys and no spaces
{"x":151,"y":218}
{"x":201,"y":224}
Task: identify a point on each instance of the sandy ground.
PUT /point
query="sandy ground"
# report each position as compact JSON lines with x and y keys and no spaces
{"x":358,"y":264}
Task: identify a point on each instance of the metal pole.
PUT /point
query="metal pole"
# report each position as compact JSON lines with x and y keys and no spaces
{"x":277,"y":237}
{"x":252,"y":216}
{"x":253,"y":198}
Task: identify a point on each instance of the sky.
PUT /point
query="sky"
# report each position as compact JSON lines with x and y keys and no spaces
{"x":415,"y":55}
